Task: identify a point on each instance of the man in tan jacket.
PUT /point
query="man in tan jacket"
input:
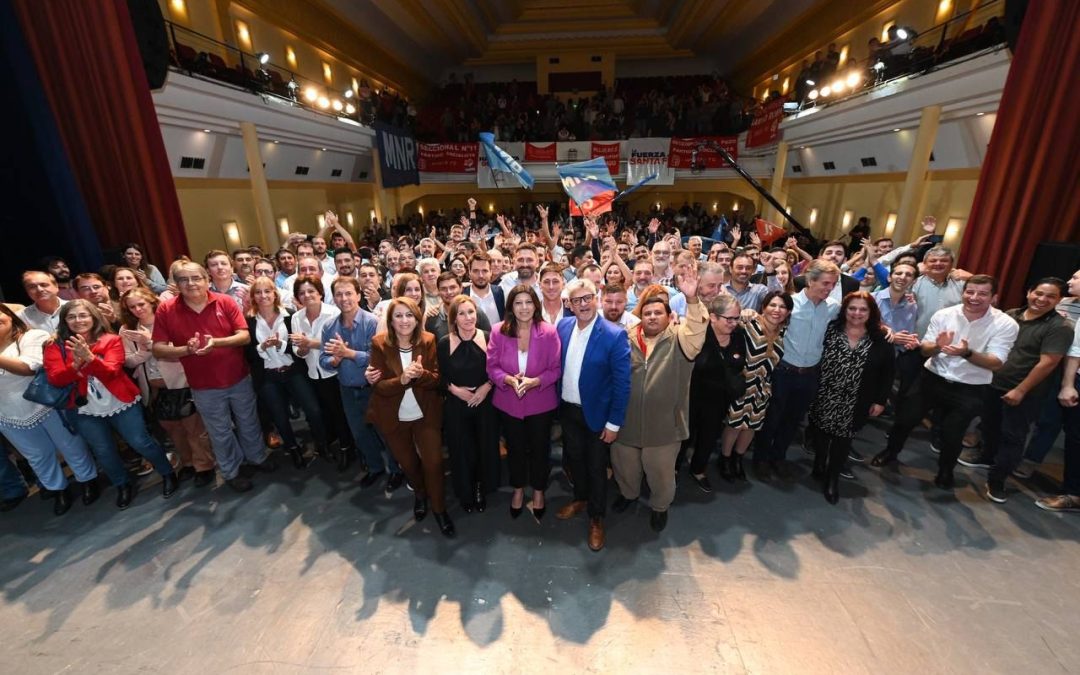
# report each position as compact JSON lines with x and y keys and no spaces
{"x":662,"y":360}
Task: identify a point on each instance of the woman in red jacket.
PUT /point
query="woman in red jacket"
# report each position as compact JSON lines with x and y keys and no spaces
{"x":104,"y":397}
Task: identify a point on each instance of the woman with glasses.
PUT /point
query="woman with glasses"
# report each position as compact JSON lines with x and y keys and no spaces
{"x":716,"y":383}
{"x":104,"y":398}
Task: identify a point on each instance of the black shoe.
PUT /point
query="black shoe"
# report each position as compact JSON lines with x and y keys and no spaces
{"x":847,"y":474}
{"x":185,"y":473}
{"x":9,"y":504}
{"x":832,"y":490}
{"x":515,"y":511}
{"x":737,"y":467}
{"x":658,"y":520}
{"x":125,"y":494}
{"x":702,"y":482}
{"x":344,"y":459}
{"x":370,"y":478}
{"x":945,"y":480}
{"x":62,"y":502}
{"x":468,"y":507}
{"x":856,"y":456}
{"x":995,"y":492}
{"x":884,"y":458}
{"x":419,"y":508}
{"x":621,"y":504}
{"x":298,"y":459}
{"x":727,"y":469}
{"x":46,"y":495}
{"x":975,"y":459}
{"x":394,"y":481}
{"x":481,"y":500}
{"x":90,"y":492}
{"x":539,"y":513}
{"x":762,"y":470}
{"x":446,"y":526}
{"x":203,"y":478}
{"x":240,"y":484}
{"x":268,"y":465}
{"x":169,"y":485}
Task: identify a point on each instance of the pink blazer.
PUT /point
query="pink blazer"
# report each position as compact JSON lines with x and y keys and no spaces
{"x":544,"y":361}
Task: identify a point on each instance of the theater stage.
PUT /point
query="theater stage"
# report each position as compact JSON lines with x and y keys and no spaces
{"x":308,"y":574}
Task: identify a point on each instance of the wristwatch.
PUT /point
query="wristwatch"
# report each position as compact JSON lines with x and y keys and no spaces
{"x":968,"y":353}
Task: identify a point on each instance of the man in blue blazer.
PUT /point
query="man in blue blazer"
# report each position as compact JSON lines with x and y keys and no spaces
{"x":595,"y":392}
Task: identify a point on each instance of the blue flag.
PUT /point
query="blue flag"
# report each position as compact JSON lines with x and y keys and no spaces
{"x":500,"y":160}
{"x":586,"y":180}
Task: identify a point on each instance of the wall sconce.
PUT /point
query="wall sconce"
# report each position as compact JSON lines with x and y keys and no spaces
{"x":321,"y":220}
{"x":349,"y":218}
{"x":231,"y":231}
{"x":290,"y":56}
{"x":372,"y":215}
{"x":327,"y":72}
{"x":283,"y":226}
{"x":243,"y":34}
{"x":846,"y":221}
{"x":813,"y":216}
{"x":890,"y":223}
{"x":735,"y":206}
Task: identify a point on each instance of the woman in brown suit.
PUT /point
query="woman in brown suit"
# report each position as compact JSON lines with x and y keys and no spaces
{"x":406,"y":407}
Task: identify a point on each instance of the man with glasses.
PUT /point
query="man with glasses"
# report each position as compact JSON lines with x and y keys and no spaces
{"x":94,"y":288}
{"x":207,"y":333}
{"x":595,"y":393}
{"x":661,"y":258}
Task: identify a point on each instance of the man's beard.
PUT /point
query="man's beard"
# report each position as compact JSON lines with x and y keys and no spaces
{"x":481,"y":286}
{"x":63,"y":279}
{"x":526,"y":273}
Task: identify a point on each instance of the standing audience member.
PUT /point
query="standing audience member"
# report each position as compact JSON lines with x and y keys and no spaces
{"x":1069,"y":498}
{"x":135,"y":258}
{"x":44,"y":314}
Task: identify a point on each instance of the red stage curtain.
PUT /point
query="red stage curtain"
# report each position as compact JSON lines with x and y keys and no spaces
{"x":1029,"y":186}
{"x":93,"y":76}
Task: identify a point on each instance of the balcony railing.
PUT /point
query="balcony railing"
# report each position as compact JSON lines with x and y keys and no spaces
{"x":201,"y":56}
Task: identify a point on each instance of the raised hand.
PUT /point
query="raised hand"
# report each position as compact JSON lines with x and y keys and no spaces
{"x":754,"y":238}
{"x":654,"y":225}
{"x":330,"y":218}
{"x":543,"y":211}
{"x":790,"y":242}
{"x":736,"y":234}
{"x":472,"y":203}
{"x":688,"y":283}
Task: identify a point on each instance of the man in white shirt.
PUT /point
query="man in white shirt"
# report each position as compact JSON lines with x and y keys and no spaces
{"x":325,"y":261}
{"x":965,"y":344}
{"x":489,"y":299}
{"x":44,"y":314}
{"x":614,"y":304}
{"x":308,"y":266}
{"x":526,"y":262}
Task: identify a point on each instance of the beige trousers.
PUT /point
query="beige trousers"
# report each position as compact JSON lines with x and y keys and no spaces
{"x":656,"y":462}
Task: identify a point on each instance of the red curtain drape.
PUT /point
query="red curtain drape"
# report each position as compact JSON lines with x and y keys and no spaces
{"x":1029,"y":186}
{"x":92,"y":74}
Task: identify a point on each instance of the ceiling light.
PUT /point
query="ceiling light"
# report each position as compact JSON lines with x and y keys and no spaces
{"x":896,"y":130}
{"x":825,"y":91}
{"x":263,"y":57}
{"x":811,"y":82}
{"x":276,"y":142}
{"x":902,"y":33}
{"x":812,"y":95}
{"x":324,"y":149}
{"x":979,"y":114}
{"x":310,"y":94}
{"x":838,"y":86}
{"x":206,"y":131}
{"x":348,"y":93}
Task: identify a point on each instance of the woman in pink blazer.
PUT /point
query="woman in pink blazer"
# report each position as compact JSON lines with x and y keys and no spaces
{"x":524,"y":362}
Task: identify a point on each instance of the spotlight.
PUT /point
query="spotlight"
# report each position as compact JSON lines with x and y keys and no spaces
{"x":879,"y":66}
{"x":812,"y":95}
{"x":825,"y":91}
{"x":324,"y":102}
{"x":337,"y":105}
{"x":263,"y":57}
{"x":838,"y":86}
{"x":310,"y":94}
{"x":350,"y":108}
{"x":902,"y":33}
{"x":853,"y":79}
{"x":348,"y":93}
{"x":811,"y":82}
{"x":896,"y":131}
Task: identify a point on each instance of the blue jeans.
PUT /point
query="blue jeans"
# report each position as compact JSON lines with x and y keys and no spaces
{"x":1070,"y":484}
{"x":792,"y":393}
{"x":12,"y":485}
{"x":129,"y":423}
{"x":368,"y":443}
{"x":276,"y":392}
{"x":1048,"y":425}
{"x":39,"y":445}
{"x":219,"y":408}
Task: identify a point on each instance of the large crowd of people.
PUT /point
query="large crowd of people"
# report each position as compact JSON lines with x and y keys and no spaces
{"x":413,"y":354}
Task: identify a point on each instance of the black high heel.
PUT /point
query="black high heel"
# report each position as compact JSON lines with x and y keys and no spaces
{"x":419,"y":508}
{"x":446,"y":526}
{"x":515,"y":512}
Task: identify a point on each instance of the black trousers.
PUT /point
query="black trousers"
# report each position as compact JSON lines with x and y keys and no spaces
{"x":955,"y":404}
{"x":908,"y":366}
{"x":588,"y":458}
{"x":472,"y":438}
{"x":830,"y":452}
{"x":1005,"y":430}
{"x":706,"y":425}
{"x":528,"y":449}
{"x":328,"y":391}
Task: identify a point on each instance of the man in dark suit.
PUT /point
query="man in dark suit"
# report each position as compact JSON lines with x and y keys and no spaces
{"x":489,"y":297}
{"x":595,"y":392}
{"x":836,"y":253}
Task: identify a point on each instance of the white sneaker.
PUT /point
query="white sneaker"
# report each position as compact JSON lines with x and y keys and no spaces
{"x":935,"y":449}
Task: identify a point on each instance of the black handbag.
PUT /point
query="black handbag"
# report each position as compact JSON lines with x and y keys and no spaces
{"x":40,"y":390}
{"x":173,"y":404}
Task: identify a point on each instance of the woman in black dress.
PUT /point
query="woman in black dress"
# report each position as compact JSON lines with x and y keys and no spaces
{"x":470,"y":423}
{"x":856,"y":378}
{"x":717,"y":382}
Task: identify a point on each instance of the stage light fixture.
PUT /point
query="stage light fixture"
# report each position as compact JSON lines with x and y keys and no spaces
{"x":810,"y":83}
{"x":812,"y":95}
{"x":310,"y":94}
{"x":902,"y":33}
{"x":853,"y":79}
{"x":337,"y":105}
{"x":350,"y":108}
{"x":324,"y":102}
{"x":348,"y":93}
{"x":838,"y":86}
{"x":825,"y":91}
{"x":263,"y":57}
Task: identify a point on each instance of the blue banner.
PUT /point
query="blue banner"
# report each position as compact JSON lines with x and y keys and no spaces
{"x":397,"y":156}
{"x":585,"y":180}
{"x":499,"y":160}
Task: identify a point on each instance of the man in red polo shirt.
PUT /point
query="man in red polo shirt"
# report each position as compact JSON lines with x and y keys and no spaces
{"x":206,"y":332}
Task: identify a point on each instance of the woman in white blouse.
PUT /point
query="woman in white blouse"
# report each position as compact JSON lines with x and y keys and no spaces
{"x":37,"y":431}
{"x":312,"y":316}
{"x":277,"y":374}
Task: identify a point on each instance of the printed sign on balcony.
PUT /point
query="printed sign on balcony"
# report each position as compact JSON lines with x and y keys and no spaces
{"x":765,"y":129}
{"x":683,"y":151}
{"x":448,"y":157}
{"x":646,"y":157}
{"x":397,"y":156}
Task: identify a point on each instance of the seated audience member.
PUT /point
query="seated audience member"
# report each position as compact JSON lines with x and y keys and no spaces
{"x":965,"y":344}
{"x":104,"y":398}
{"x":44,"y":313}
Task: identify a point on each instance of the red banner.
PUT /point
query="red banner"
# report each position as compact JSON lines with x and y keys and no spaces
{"x":610,"y":153}
{"x":601,"y":203}
{"x":765,"y":128}
{"x":682,"y":149}
{"x":448,"y":157}
{"x":540,"y":152}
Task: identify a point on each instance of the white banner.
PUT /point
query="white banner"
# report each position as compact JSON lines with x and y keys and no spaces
{"x":648,"y":156}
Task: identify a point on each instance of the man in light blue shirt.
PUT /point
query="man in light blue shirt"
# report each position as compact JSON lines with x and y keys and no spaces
{"x":795,"y":379}
{"x":899,"y":312}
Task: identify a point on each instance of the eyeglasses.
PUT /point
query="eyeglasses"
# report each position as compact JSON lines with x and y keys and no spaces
{"x":582,"y":299}
{"x":732,"y":319}
{"x":180,"y":281}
